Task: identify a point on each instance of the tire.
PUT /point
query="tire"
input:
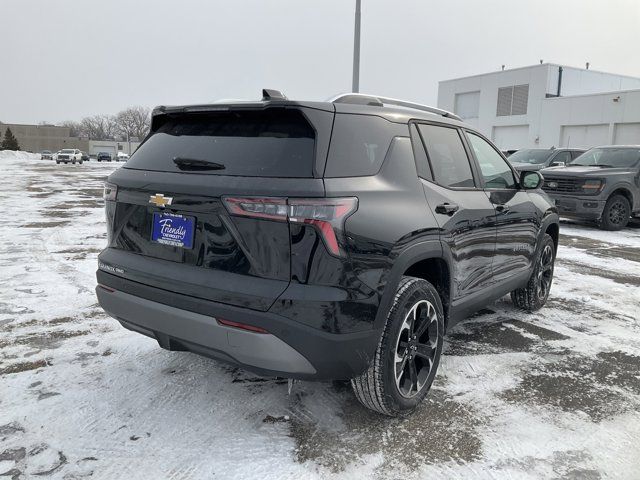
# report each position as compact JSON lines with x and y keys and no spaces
{"x":57,"y":163}
{"x":616,"y":213}
{"x":416,"y":304}
{"x":534,"y":295}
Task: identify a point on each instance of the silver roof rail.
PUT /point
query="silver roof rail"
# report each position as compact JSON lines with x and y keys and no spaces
{"x":378,"y":101}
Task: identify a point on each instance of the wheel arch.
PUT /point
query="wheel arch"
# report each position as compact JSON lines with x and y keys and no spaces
{"x":436,"y":271}
{"x":553,"y":229}
{"x":625,"y":192}
{"x":423,"y":260}
{"x":549,"y":224}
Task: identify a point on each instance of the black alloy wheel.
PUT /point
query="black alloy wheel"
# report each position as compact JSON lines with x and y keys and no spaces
{"x":416,"y":348}
{"x":545,"y":272}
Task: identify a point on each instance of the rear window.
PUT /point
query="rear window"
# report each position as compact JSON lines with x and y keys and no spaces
{"x":266,"y":143}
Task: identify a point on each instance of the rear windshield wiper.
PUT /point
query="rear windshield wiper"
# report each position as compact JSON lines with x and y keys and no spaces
{"x":196,"y":164}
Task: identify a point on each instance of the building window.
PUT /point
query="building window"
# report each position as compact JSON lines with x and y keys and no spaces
{"x":467,"y":105}
{"x":512,"y":100}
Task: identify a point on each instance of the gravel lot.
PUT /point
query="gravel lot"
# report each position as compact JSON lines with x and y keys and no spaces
{"x":550,"y":395}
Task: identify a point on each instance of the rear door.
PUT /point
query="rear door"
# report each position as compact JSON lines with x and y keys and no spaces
{"x":464,"y":214}
{"x":169,"y":227}
{"x":517,"y":219}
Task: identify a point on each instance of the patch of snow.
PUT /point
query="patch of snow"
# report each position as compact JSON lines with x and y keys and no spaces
{"x":81,"y":396}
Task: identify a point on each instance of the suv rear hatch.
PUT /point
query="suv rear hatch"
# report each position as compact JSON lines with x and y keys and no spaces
{"x":170,"y":209}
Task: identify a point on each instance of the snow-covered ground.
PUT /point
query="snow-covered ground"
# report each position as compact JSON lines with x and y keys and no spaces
{"x":550,"y":395}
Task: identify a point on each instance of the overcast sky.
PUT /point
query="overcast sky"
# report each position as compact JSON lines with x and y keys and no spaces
{"x":65,"y":59}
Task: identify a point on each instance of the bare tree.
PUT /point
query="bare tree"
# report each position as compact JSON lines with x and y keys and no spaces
{"x":131,"y":123}
{"x":74,"y":127}
{"x":99,"y":127}
{"x":110,"y":126}
{"x":134,"y":122}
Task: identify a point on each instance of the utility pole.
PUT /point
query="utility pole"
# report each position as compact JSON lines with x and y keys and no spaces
{"x":356,"y":51}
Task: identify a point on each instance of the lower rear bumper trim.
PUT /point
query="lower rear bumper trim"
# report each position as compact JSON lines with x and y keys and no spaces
{"x":203,"y":334}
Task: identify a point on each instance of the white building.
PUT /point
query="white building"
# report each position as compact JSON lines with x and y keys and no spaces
{"x":112,"y":147}
{"x":547,"y":105}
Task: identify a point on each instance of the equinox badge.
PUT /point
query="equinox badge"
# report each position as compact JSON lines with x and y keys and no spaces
{"x":160,"y":200}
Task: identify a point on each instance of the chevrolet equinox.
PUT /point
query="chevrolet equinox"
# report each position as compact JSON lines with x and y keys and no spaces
{"x":321,"y":240}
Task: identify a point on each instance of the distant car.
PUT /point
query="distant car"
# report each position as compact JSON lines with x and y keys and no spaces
{"x":46,"y":155}
{"x":85,"y":156}
{"x":538,"y":158}
{"x":601,"y":185}
{"x":69,"y":155}
{"x":103,"y":157}
{"x":122,"y":157}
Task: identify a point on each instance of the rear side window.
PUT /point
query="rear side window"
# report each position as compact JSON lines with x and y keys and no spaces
{"x":266,"y":143}
{"x":447,"y":156}
{"x":359,"y":144}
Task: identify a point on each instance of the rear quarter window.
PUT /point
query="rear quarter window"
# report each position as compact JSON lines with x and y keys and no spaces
{"x":359,"y":144}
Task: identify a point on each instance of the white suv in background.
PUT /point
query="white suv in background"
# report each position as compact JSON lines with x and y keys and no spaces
{"x":68,"y":155}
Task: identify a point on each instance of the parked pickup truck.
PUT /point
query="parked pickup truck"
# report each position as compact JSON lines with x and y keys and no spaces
{"x":539,"y":158}
{"x":69,"y":155}
{"x":602,"y":184}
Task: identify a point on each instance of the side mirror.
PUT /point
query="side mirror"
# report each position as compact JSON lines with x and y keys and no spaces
{"x":531,"y":180}
{"x":557,"y":164}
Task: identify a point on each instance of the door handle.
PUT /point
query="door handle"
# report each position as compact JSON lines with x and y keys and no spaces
{"x":447,"y":208}
{"x":502,"y":208}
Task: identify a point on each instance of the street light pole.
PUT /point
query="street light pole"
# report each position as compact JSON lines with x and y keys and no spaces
{"x":356,"y":51}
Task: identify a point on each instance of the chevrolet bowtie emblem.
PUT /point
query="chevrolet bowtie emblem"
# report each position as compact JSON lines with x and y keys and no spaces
{"x":160,"y":200}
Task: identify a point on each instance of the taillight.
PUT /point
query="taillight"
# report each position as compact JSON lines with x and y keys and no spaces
{"x":270,"y":208}
{"x":327,"y":215}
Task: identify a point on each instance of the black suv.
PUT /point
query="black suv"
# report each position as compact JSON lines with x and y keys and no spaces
{"x":321,"y":240}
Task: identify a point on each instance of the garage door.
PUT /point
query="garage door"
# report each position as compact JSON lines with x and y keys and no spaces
{"x":584,"y":136}
{"x":95,"y":149}
{"x":512,"y":136}
{"x":627,"y":134}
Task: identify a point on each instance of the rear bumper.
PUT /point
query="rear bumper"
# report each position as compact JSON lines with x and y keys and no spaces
{"x":177,"y":329}
{"x":587,"y":207}
{"x":180,"y":322}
